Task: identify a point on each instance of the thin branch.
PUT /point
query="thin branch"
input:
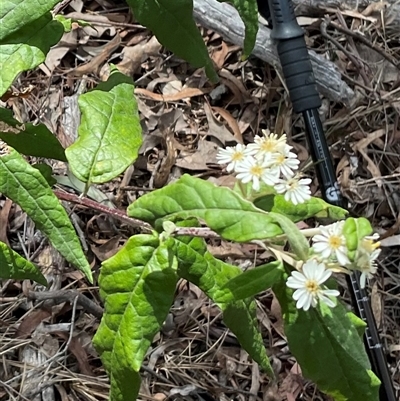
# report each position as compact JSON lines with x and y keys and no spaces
{"x":57,"y":297}
{"x":120,"y":215}
{"x":91,"y":204}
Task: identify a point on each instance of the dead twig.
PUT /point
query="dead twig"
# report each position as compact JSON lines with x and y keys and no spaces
{"x":365,"y":41}
{"x":57,"y":297}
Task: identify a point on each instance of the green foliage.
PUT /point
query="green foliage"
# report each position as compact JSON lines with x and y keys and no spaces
{"x":313,"y":207}
{"x":25,"y":47}
{"x":298,"y":242}
{"x":172,"y":23}
{"x":248,"y":12}
{"x":25,"y":185}
{"x":13,"y":265}
{"x":198,"y":266}
{"x":30,"y":139}
{"x":137,"y":286}
{"x":12,"y":12}
{"x":222,"y":209}
{"x":251,"y":282}
{"x":329,"y":349}
{"x":110,"y":131}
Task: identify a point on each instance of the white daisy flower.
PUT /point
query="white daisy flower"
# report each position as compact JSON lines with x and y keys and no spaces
{"x":366,"y":264}
{"x":232,"y":156}
{"x":255,"y":170}
{"x":366,"y":258}
{"x":286,"y":161}
{"x":267,"y":145}
{"x":308,"y":286}
{"x":332,"y":242}
{"x":296,"y":189}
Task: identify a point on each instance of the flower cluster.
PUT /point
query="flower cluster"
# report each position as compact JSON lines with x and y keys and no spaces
{"x":329,"y":247}
{"x":269,"y":160}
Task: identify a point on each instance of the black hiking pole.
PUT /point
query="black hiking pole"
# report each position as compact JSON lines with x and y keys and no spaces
{"x":299,"y":77}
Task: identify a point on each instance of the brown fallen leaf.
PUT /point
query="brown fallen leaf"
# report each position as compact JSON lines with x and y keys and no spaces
{"x":206,"y":153}
{"x":183,"y":94}
{"x":216,"y":129}
{"x":30,"y":322}
{"x":233,"y":125}
{"x":134,"y":56}
{"x":376,"y":304}
{"x":4,"y":213}
{"x":79,"y":352}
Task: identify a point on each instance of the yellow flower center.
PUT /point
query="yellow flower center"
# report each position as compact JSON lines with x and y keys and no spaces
{"x":335,"y":241}
{"x":312,"y":286}
{"x":268,"y":145}
{"x":237,"y":156}
{"x":293,"y":184}
{"x":256,"y":171}
{"x":280,"y":159}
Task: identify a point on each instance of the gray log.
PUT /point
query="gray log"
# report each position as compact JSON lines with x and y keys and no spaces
{"x":224,"y":19}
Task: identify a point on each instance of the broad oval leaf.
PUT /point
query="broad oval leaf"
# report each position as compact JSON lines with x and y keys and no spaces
{"x":29,"y":139}
{"x":25,"y":185}
{"x":172,"y":23}
{"x":13,"y":12}
{"x":13,"y":265}
{"x":222,"y":210}
{"x":137,"y":285}
{"x":310,"y":208}
{"x":27,"y":47}
{"x":329,"y":349}
{"x":110,"y":134}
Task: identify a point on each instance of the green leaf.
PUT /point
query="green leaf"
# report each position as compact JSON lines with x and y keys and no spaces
{"x":198,"y":266}
{"x":358,"y":323}
{"x":66,"y":22}
{"x":25,"y":185}
{"x":298,"y":242}
{"x":251,"y":282}
{"x":329,"y":349}
{"x":110,"y":133}
{"x":13,"y":265}
{"x":354,"y":230}
{"x":137,"y":285}
{"x":313,"y":207}
{"x":25,"y":48}
{"x":222,"y":210}
{"x":172,"y":23}
{"x":13,"y":12}
{"x":46,"y":172}
{"x":248,"y":11}
{"x":29,"y":139}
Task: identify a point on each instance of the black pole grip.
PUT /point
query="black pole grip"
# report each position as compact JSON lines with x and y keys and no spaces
{"x":293,"y":54}
{"x":298,"y":73}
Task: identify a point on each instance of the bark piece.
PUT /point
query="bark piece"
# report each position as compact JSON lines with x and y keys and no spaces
{"x":224,"y":19}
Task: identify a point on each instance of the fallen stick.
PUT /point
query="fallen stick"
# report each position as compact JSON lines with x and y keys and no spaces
{"x":224,"y":20}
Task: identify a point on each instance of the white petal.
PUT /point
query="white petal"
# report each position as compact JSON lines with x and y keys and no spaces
{"x":302,"y":292}
{"x":319,"y":273}
{"x":342,"y":258}
{"x":298,"y":276}
{"x":309,"y":269}
{"x":331,"y":293}
{"x":363,"y":279}
{"x":326,"y":274}
{"x":327,"y":301}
